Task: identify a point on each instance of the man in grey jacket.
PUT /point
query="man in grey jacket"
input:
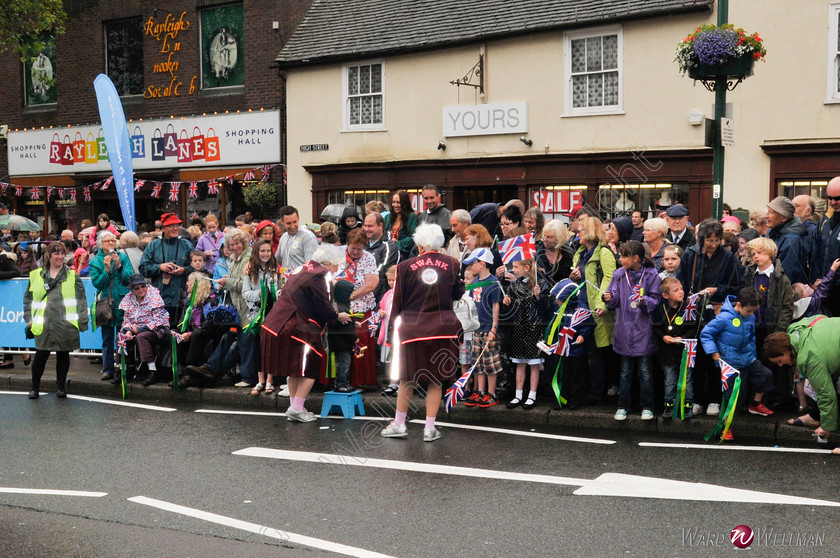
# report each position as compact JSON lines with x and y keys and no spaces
{"x":435,"y":212}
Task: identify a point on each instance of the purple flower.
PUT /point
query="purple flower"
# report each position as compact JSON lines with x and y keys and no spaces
{"x":716,"y":46}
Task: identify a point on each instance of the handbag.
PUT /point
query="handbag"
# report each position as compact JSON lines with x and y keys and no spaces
{"x":467,"y":313}
{"x":104,"y":310}
{"x":220,"y":312}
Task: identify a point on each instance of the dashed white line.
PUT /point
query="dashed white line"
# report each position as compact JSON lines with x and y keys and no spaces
{"x":733,"y":448}
{"x":49,"y":492}
{"x":521,"y":433}
{"x":249,"y":413}
{"x":121,"y":403}
{"x":258,"y":529}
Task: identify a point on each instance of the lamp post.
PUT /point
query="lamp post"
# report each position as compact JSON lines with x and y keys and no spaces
{"x":720,"y":113}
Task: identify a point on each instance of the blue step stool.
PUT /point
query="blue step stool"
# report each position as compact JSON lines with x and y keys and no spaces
{"x":350,"y":403}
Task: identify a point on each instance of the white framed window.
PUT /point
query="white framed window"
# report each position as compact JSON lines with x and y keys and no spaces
{"x":832,"y":82}
{"x":364,"y":97}
{"x":592,"y":60}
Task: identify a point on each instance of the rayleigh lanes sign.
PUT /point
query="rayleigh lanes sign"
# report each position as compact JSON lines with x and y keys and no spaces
{"x":235,"y":139}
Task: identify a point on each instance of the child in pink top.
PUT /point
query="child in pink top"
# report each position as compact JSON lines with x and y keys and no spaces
{"x":385,"y":314}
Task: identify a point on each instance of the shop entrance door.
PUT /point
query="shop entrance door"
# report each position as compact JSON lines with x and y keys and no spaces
{"x":469,"y":197}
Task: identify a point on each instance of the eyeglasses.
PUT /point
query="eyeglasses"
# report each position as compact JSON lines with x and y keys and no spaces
{"x":138,"y":288}
{"x":832,"y":198}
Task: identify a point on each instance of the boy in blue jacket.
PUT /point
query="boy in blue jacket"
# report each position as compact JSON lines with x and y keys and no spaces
{"x":730,"y":336}
{"x":575,"y":328}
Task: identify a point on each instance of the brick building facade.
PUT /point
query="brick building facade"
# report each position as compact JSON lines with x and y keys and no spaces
{"x":192,"y":59}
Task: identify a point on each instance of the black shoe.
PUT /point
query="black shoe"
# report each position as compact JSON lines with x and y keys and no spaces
{"x":513,"y":403}
{"x":185,"y":382}
{"x":202,"y":371}
{"x":26,"y":360}
{"x":7,"y":364}
{"x":529,"y":404}
{"x":60,"y":393}
{"x":345,"y":389}
{"x":117,"y":380}
{"x":149,"y":380}
{"x":33,"y":394}
{"x":106,"y":376}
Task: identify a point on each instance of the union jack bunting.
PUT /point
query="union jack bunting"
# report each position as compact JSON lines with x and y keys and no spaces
{"x":637,"y":294}
{"x":61,"y":193}
{"x":690,"y":313}
{"x":284,"y":175}
{"x":49,"y":192}
{"x":266,"y":172}
{"x":174,"y":191}
{"x":72,"y":194}
{"x":18,"y":190}
{"x":3,"y":186}
{"x":138,"y":185}
{"x":86,"y":192}
{"x":156,"y":189}
{"x":213,"y":187}
{"x":107,"y":182}
{"x":456,"y":392}
{"x":193,"y":189}
{"x":518,"y":248}
{"x":35,"y":193}
{"x":250,"y":175}
{"x":726,"y":372}
{"x":690,"y":351}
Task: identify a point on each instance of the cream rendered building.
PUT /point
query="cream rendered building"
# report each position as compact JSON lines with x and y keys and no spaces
{"x":575,"y":101}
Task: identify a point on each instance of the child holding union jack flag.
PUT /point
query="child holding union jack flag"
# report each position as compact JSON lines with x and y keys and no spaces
{"x":730,"y":337}
{"x":673,"y":325}
{"x":576,"y":327}
{"x":634,"y":294}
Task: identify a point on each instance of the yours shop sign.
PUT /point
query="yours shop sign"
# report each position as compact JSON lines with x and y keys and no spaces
{"x":238,"y":139}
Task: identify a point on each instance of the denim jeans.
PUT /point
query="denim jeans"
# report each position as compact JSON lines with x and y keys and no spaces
{"x":628,"y":364}
{"x":342,"y":368}
{"x":672,"y":374}
{"x":243,"y":348}
{"x":108,"y":334}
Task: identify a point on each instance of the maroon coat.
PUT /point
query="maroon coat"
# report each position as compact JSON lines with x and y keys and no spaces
{"x":292,"y":329}
{"x":424,"y":292}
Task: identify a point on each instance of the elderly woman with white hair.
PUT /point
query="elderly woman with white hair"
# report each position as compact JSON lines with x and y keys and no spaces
{"x":656,"y":237}
{"x":426,"y":338}
{"x":109,"y":273}
{"x":291,"y":332}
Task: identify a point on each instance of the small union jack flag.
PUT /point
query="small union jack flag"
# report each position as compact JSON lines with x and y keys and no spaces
{"x":156,"y":189}
{"x":518,"y":248}
{"x":175,"y":191}
{"x":690,"y":313}
{"x":726,"y":372}
{"x":107,"y":183}
{"x":193,"y":189}
{"x":3,"y":186}
{"x":250,"y":175}
{"x":266,"y":172}
{"x":373,"y":322}
{"x":567,"y":333}
{"x":690,"y":351}
{"x":86,"y":192}
{"x":213,"y":187}
{"x":18,"y":190}
{"x":35,"y":193}
{"x":637,"y":293}
{"x":138,"y":185}
{"x":456,"y":392}
{"x":72,"y":194}
{"x":122,"y":341}
{"x":50,"y":192}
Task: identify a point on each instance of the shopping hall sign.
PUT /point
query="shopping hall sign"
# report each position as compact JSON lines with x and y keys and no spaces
{"x":235,"y":139}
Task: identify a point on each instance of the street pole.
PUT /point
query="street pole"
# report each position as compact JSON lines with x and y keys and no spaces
{"x":720,"y":114}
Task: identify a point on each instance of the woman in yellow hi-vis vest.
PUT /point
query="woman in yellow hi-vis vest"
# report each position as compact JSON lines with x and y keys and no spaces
{"x":55,"y":310}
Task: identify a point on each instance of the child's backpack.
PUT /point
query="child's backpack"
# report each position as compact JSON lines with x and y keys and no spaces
{"x":467,"y":313}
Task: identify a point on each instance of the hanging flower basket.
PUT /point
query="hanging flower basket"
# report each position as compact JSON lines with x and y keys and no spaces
{"x":713,"y":51}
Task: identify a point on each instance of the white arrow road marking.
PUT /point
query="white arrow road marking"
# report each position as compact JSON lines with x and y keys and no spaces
{"x":47,"y":492}
{"x":734,"y":448}
{"x":121,"y":403}
{"x":258,"y":529}
{"x":519,"y":432}
{"x":608,"y":484}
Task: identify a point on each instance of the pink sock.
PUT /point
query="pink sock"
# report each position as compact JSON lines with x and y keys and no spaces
{"x":399,"y":418}
{"x":430,"y":422}
{"x":297,"y":403}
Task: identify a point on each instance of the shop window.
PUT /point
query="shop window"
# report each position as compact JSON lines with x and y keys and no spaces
{"x":222,"y":54}
{"x":593,"y":66}
{"x":621,"y":200}
{"x":40,"y":76}
{"x":814,"y":188}
{"x":358,"y":198}
{"x":124,"y":55}
{"x":364,"y":97}
{"x":556,"y":201}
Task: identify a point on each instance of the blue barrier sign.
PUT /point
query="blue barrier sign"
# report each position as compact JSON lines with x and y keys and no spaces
{"x":13,"y":326}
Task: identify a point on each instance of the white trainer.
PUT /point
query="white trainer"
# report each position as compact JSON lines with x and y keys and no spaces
{"x":300,"y":416}
{"x":713,"y":409}
{"x":394,"y":431}
{"x":431,"y":434}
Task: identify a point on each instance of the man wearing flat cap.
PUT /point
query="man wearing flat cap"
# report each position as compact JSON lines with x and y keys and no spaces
{"x":679,"y":232}
{"x":166,"y":261}
{"x":791,"y":238}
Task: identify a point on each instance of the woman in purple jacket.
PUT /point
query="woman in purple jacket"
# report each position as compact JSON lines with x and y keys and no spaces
{"x":210,"y":242}
{"x":634,"y":294}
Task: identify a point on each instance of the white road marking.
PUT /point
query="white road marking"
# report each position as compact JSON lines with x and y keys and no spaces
{"x":47,"y":492}
{"x":252,"y":413}
{"x":20,"y":393}
{"x":258,"y":529}
{"x":520,"y":432}
{"x":608,"y":484}
{"x":735,"y":448}
{"x":121,"y":403}
{"x":358,"y":417}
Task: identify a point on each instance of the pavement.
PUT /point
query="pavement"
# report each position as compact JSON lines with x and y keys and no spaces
{"x":84,"y":379}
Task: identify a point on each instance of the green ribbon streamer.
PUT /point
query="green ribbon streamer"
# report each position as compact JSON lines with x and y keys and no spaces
{"x":174,"y":363}
{"x":331,"y":367}
{"x":265,"y":293}
{"x":478,"y":285}
{"x":122,"y":374}
{"x":188,"y":312}
{"x":184,"y":324}
{"x":682,"y":380}
{"x":551,"y":331}
{"x":93,"y":316}
{"x":726,"y":417}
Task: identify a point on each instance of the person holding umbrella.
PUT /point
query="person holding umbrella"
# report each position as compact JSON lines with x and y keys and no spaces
{"x":54,"y":310}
